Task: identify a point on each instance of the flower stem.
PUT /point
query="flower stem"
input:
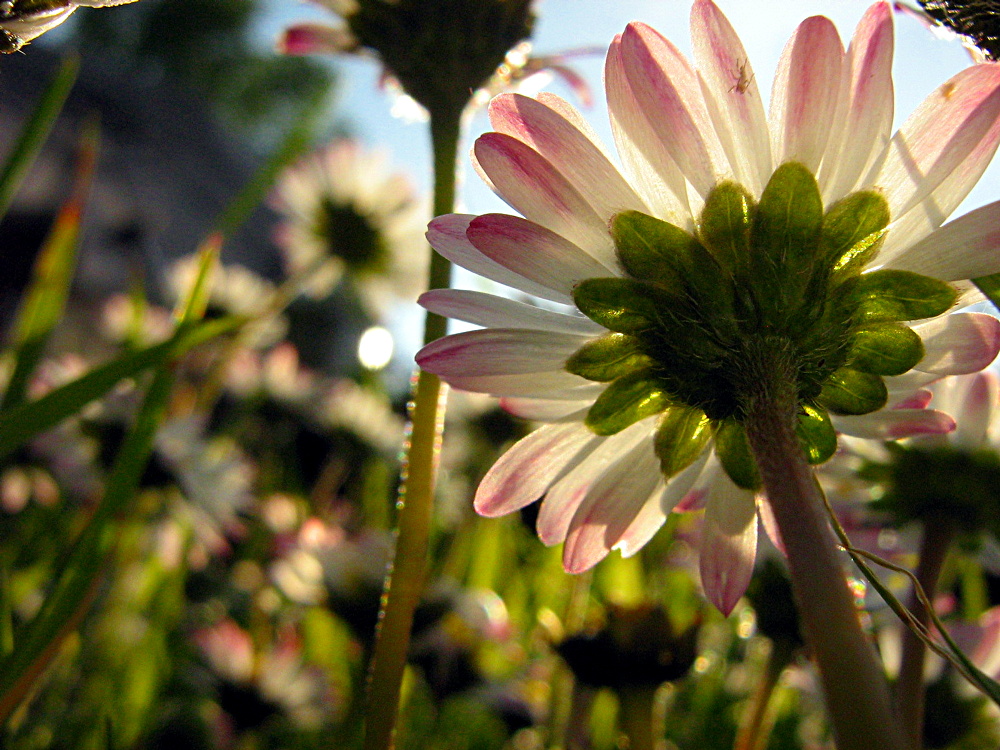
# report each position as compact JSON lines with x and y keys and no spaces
{"x":938,"y":535}
{"x":635,"y":716}
{"x":405,"y":581}
{"x":854,"y":685}
{"x":756,"y":726}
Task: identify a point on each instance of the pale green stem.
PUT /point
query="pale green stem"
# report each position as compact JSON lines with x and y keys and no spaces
{"x":854,"y":685}
{"x":635,"y":716}
{"x":405,"y":582}
{"x":938,"y":535}
{"x":756,"y":724}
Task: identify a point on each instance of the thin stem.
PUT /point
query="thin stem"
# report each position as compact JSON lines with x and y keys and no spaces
{"x":755,"y":726}
{"x":857,"y":695}
{"x":635,"y":716}
{"x":938,"y":535}
{"x":405,"y":582}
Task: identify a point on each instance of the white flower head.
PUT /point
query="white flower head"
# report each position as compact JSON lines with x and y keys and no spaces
{"x":733,"y":238}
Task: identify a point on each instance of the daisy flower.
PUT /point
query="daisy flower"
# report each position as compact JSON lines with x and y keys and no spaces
{"x":345,"y":214}
{"x":731,"y":242}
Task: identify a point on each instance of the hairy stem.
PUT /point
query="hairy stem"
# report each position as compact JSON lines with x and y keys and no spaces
{"x":854,"y":685}
{"x":405,"y":582}
{"x":938,"y":535}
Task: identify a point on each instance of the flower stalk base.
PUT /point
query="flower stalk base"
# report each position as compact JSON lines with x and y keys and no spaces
{"x":855,"y":688}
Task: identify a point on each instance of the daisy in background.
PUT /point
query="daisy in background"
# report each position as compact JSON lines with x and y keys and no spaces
{"x":732,"y":244}
{"x":345,"y":216}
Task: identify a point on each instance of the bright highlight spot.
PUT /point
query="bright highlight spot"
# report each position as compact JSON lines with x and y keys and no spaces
{"x":375,"y":348}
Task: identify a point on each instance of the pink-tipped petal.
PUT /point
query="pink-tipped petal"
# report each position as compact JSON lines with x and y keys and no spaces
{"x":499,"y":351}
{"x":654,"y":512}
{"x":447,"y":235}
{"x":491,"y":311}
{"x":549,"y":385}
{"x":568,"y":149}
{"x":936,"y":140}
{"x":892,"y":424}
{"x":315,"y":39}
{"x":536,"y":189}
{"x":669,"y":95}
{"x":534,"y":252}
{"x":644,"y":156}
{"x":959,"y":343}
{"x":918,"y":399}
{"x":966,"y":248}
{"x":728,"y":544}
{"x":979,"y":405}
{"x":732,"y":95}
{"x":524,"y":473}
{"x":805,"y":93}
{"x":610,"y":507}
{"x":543,"y":410}
{"x":566,"y":495}
{"x":867,"y":122}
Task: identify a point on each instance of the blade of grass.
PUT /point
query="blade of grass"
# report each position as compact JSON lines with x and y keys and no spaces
{"x":36,"y":130}
{"x":45,"y":300}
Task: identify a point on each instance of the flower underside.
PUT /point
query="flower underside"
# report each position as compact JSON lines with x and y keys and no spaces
{"x":697,"y":316}
{"x":352,"y":237}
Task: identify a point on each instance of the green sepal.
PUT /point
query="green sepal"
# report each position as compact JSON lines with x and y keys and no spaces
{"x":849,"y":391}
{"x":608,"y":357}
{"x":733,"y":449}
{"x":681,"y":437}
{"x":885,"y":349}
{"x":658,"y":252}
{"x":853,"y":231}
{"x":785,"y":242}
{"x":990,"y":286}
{"x":726,"y":223}
{"x":630,"y":398}
{"x":891,"y":295}
{"x":816,"y":434}
{"x":621,"y":305}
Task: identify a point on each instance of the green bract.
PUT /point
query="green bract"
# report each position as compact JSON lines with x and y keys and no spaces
{"x":696,"y":315}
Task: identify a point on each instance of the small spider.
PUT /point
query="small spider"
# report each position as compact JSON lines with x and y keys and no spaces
{"x":743,"y":80}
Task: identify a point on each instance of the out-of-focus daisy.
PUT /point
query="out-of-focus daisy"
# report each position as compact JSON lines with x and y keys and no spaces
{"x":345,"y":214}
{"x":23,"y":20}
{"x":738,"y":243}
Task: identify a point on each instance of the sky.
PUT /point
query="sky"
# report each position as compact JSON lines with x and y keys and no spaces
{"x":922,"y":62}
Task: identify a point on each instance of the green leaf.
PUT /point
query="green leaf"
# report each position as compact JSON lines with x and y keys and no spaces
{"x":851,"y":392}
{"x":733,"y":449}
{"x":36,"y":130}
{"x":726,"y":223}
{"x":816,"y":434}
{"x":22,"y":423}
{"x":621,"y":305}
{"x":681,"y":436}
{"x":608,"y":357}
{"x":890,"y":295}
{"x":885,"y":349}
{"x":785,"y":241}
{"x":627,"y":400}
{"x":45,"y":299}
{"x":853,"y":231}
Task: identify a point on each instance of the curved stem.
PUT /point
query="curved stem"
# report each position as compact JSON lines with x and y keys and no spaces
{"x":938,"y":535}
{"x":404,"y":584}
{"x":855,"y":688}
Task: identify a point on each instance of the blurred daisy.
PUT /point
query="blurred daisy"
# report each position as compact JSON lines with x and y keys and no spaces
{"x":345,"y":215}
{"x":808,"y":240}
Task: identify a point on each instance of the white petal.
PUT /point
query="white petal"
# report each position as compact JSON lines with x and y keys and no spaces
{"x":447,"y":235}
{"x":491,"y":311}
{"x":547,"y":385}
{"x":966,"y":248}
{"x":891,"y":424}
{"x":973,"y":401}
{"x":610,"y":506}
{"x":728,"y":543}
{"x":542,"y":410}
{"x":958,"y":343}
{"x":805,"y":93}
{"x":499,"y":351}
{"x":524,"y":473}
{"x":565,"y":496}
{"x":732,"y":95}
